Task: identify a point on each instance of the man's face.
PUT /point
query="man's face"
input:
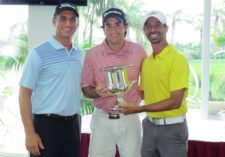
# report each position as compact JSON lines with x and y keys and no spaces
{"x":66,"y":24}
{"x":114,"y":30}
{"x":155,"y":31}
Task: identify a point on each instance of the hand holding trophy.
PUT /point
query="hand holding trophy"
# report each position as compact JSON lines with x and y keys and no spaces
{"x":118,"y":83}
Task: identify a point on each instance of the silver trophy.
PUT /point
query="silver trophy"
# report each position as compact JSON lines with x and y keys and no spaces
{"x":118,"y":83}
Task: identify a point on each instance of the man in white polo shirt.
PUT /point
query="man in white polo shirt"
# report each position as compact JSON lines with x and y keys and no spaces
{"x":164,"y":83}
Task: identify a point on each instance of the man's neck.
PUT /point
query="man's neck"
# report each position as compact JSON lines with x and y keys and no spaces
{"x":66,"y":42}
{"x":116,"y":47}
{"x":157,"y":48}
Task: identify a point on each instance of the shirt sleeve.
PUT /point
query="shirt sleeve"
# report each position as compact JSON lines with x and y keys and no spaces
{"x":179,"y":74}
{"x":88,"y":76}
{"x":144,"y":55}
{"x":142,"y":76}
{"x":31,"y":70}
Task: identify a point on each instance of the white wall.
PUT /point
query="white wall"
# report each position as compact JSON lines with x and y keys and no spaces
{"x":39,"y":24}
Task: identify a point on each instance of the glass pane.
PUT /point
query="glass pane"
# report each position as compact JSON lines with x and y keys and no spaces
{"x":217,"y":62}
{"x":12,"y":41}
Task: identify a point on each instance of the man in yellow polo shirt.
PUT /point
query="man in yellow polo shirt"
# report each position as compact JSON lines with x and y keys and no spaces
{"x":164,"y":85}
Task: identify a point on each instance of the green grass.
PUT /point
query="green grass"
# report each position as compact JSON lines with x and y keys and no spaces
{"x":217,"y":78}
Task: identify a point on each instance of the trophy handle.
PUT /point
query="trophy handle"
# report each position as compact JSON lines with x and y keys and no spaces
{"x":130,"y":85}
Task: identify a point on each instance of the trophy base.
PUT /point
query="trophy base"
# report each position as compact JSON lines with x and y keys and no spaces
{"x":114,"y":116}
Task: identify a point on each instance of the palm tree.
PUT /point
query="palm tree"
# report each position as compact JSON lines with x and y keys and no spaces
{"x":219,"y":30}
{"x":177,"y":17}
{"x":20,"y":42}
{"x":135,"y":18}
{"x":91,"y":13}
{"x":18,"y":60}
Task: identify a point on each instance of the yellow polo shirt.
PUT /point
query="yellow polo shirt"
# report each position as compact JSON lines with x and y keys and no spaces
{"x":167,"y":72}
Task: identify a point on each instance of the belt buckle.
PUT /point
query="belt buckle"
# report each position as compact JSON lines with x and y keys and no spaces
{"x":167,"y":121}
{"x":67,"y":118}
{"x":159,"y":121}
{"x":114,"y":116}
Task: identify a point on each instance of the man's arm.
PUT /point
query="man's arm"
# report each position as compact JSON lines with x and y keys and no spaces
{"x":173,"y":102}
{"x":99,"y":91}
{"x":90,"y":92}
{"x":142,"y":94}
{"x":33,"y":141}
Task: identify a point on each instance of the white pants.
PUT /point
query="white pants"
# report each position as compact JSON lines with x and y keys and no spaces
{"x":107,"y":133}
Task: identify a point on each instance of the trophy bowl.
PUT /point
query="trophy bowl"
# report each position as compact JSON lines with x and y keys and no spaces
{"x":118,"y":83}
{"x":117,"y":79}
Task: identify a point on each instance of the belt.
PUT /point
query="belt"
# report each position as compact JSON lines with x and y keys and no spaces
{"x":167,"y":121}
{"x":111,"y":115}
{"x":114,"y":116}
{"x":56,"y":116}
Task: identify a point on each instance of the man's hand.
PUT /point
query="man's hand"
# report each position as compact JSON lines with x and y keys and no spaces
{"x":129,"y":109}
{"x":34,"y":144}
{"x":102,"y":91}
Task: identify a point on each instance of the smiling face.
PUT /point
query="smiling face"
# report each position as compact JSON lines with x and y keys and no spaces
{"x":155,"y":31}
{"x":114,"y":30}
{"x":66,"y":24}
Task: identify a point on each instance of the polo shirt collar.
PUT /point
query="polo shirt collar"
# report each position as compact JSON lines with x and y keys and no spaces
{"x":164,"y":52}
{"x":109,"y":51}
{"x":57,"y":45}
